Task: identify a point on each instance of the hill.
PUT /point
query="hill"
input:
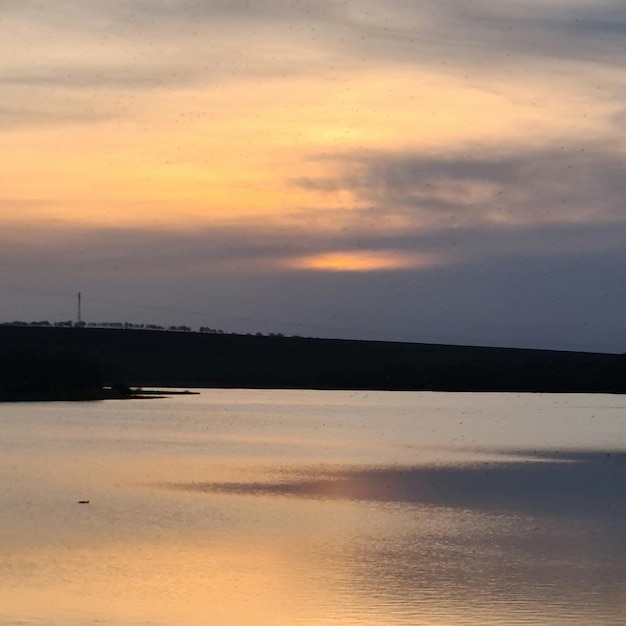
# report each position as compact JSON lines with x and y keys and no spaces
{"x":188,"y":359}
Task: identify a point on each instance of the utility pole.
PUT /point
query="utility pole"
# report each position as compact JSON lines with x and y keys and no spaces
{"x":79,"y":320}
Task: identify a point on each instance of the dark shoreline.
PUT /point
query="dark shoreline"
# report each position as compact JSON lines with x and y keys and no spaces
{"x":95,"y":395}
{"x":182,"y":360}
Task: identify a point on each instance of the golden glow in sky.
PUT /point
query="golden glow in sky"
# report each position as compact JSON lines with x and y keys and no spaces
{"x":362,"y":261}
{"x":193,"y":139}
{"x":183,"y":153}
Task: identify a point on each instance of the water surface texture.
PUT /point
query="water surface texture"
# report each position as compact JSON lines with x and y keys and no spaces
{"x":314,"y":508}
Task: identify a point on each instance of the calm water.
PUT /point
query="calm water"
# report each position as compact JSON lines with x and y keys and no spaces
{"x":314,"y":508}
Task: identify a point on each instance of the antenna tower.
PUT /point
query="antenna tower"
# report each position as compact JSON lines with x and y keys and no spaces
{"x":79,"y":319}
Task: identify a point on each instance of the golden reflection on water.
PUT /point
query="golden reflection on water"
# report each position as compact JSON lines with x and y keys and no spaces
{"x":296,"y":562}
{"x":192,"y":521}
{"x":157,"y":582}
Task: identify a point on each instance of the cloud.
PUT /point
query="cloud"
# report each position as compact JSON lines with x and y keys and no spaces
{"x":395,"y":210}
{"x":550,"y":287}
{"x":169,"y":42}
{"x":257,"y":248}
{"x":484,"y":35}
{"x":493,"y":187}
{"x":52,"y":113}
{"x":160,"y":43}
{"x":106,"y":57}
{"x":450,"y":143}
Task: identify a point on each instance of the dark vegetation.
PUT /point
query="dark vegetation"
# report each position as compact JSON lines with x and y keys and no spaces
{"x":68,"y":361}
{"x":32,"y":374}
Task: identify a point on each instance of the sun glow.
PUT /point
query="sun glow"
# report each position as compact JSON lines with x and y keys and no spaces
{"x":366,"y":261}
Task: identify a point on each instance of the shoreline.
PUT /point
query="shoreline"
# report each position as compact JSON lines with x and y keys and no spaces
{"x":96,"y":395}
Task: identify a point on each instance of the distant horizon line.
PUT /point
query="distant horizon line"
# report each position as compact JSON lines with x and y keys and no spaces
{"x":126,"y":326}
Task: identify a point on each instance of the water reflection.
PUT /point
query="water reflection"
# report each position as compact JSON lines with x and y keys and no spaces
{"x":501,"y":538}
{"x":306,"y":510}
{"x":535,"y":541}
{"x":553,"y":482}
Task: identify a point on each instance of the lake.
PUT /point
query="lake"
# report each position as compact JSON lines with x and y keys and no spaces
{"x":314,"y":508}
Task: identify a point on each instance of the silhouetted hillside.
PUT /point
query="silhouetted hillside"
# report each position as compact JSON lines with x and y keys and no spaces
{"x":152,"y":358}
{"x":30,"y":374}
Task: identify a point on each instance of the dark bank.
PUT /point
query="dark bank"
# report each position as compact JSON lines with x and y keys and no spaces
{"x":77,"y":363}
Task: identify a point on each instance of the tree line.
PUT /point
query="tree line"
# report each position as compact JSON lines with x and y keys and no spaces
{"x":130,"y":326}
{"x":118,"y":325}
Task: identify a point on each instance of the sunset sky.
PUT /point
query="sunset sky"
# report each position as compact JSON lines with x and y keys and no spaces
{"x":439,"y":170}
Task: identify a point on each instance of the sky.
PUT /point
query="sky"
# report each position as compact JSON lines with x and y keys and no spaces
{"x":442,"y":171}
